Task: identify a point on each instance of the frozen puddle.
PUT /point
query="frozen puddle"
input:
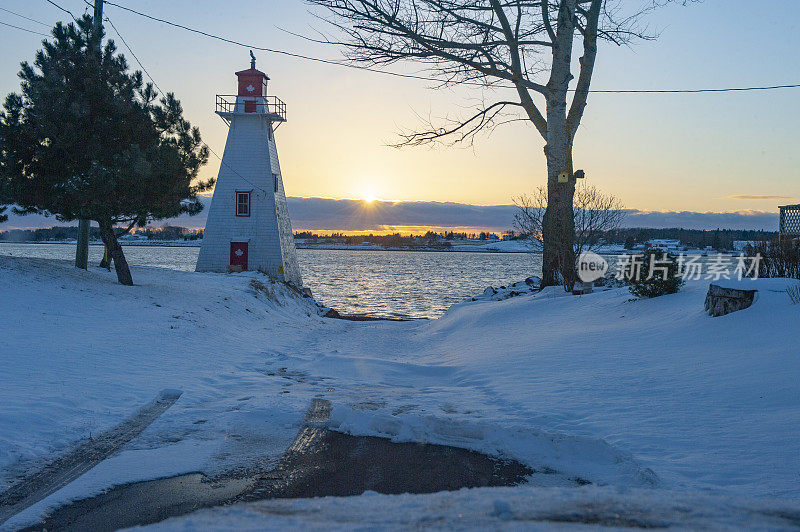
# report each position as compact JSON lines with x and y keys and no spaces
{"x":319,"y":463}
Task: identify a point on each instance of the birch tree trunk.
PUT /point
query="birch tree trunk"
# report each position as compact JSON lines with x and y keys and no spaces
{"x":558,"y":227}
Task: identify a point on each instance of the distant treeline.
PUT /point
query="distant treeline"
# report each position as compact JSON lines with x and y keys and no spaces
{"x":171,"y":232}
{"x":695,"y":238}
{"x":448,"y":235}
{"x":58,"y":233}
{"x":428,"y":240}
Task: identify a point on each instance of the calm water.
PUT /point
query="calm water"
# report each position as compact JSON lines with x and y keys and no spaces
{"x":389,"y":283}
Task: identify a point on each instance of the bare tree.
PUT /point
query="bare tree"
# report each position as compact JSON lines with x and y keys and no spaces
{"x":594,"y":213}
{"x":520,"y":48}
{"x":529,"y":217}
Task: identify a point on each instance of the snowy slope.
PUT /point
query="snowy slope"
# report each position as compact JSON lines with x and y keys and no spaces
{"x":635,"y":394}
{"x":80,"y":353}
{"x":705,"y":402}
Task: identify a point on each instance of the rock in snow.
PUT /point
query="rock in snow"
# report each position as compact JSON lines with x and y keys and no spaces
{"x":528,"y":286}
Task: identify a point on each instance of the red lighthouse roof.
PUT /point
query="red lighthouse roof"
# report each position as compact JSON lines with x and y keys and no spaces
{"x":252,"y":72}
{"x":252,"y":82}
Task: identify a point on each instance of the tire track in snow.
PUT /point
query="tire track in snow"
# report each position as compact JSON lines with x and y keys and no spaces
{"x":66,"y":468}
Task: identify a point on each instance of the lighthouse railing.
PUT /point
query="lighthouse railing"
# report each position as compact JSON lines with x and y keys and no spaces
{"x":266,"y":105}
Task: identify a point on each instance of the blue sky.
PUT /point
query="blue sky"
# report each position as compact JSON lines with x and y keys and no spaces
{"x":656,"y":152}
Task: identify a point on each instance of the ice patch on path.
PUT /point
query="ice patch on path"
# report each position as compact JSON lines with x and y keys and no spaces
{"x":579,"y":458}
{"x":129,"y":466}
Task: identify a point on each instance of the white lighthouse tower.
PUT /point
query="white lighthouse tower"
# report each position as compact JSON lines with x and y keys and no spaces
{"x":248,"y":225}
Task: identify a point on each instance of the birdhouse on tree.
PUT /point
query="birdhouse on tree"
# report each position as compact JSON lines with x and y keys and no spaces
{"x":248,"y":225}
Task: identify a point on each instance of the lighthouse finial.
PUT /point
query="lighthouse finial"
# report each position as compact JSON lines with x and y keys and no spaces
{"x":252,"y":60}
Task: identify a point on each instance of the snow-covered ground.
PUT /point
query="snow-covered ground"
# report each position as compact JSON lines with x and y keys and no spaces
{"x":651,"y":396}
{"x":500,"y":509}
{"x":497,"y":246}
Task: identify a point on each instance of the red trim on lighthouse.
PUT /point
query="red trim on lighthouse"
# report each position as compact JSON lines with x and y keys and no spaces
{"x":243,"y":202}
{"x":239,"y":254}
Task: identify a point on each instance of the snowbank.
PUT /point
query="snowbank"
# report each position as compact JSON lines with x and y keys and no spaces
{"x":80,"y":352}
{"x":704,"y":402}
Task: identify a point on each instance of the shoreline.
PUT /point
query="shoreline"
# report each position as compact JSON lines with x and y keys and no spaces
{"x":331,"y":247}
{"x":479,"y":248}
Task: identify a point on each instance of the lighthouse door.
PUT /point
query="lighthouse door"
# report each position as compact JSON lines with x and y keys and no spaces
{"x":239,"y":254}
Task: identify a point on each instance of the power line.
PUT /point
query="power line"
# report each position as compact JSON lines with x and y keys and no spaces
{"x":162,"y":92}
{"x":271,"y":50}
{"x":425,"y":78}
{"x":23,"y":16}
{"x":65,"y":10}
{"x":133,"y":54}
{"x":24,"y":29}
{"x":684,"y":91}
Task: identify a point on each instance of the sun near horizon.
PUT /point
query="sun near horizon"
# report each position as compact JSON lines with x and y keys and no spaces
{"x":341,"y":120}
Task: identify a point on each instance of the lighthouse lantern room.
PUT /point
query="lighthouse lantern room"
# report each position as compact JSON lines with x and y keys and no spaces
{"x":248,"y":225}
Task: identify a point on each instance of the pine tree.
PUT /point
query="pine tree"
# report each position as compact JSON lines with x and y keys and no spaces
{"x":660,"y":274}
{"x":88,"y":139}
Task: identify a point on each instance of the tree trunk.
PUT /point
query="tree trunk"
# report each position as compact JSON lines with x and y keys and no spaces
{"x":116,"y":254}
{"x":558,"y":226}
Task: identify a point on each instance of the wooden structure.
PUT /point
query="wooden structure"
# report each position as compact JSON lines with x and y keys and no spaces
{"x":790,"y":221}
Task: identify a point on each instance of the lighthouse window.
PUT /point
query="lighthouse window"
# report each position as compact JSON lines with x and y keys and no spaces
{"x":242,"y":203}
{"x":275,"y":179}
